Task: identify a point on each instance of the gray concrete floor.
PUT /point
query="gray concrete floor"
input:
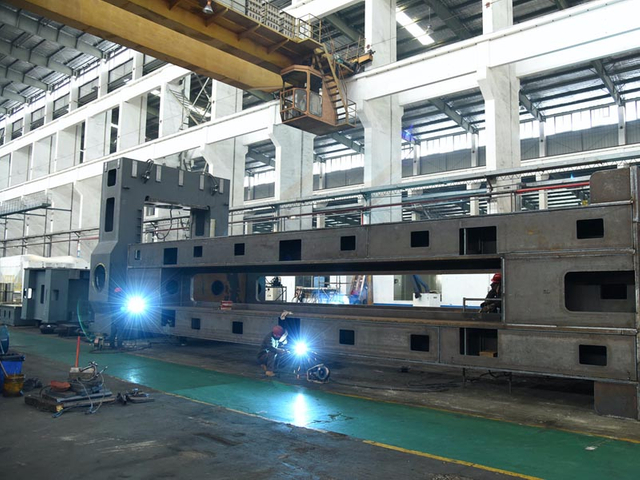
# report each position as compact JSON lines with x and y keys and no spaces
{"x":178,"y":438}
{"x":534,"y":400}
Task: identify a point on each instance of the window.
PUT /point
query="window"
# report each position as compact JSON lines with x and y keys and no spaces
{"x":593,"y":355}
{"x":592,"y":228}
{"x":347,"y":337}
{"x":420,"y":239}
{"x":60,"y":106}
{"x":237,"y":328}
{"x":420,"y":343}
{"x":88,"y":92}
{"x":197,"y":251}
{"x":238,"y":249}
{"x":348,"y":243}
{"x":136,"y":255}
{"x":120,"y":75}
{"x":170,"y":256}
{"x":195,"y":324}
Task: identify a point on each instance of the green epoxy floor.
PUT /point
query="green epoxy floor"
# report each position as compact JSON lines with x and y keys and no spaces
{"x":525,"y":450}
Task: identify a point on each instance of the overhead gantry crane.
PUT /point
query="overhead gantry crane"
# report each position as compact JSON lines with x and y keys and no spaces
{"x":248,"y":44}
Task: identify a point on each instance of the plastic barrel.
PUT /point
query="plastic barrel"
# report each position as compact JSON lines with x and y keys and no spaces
{"x":13,"y":385}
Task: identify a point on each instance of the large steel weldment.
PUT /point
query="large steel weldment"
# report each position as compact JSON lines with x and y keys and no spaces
{"x":127,"y":186}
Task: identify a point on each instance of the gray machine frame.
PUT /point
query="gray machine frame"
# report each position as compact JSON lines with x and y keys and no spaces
{"x":569,"y":302}
{"x":127,"y":187}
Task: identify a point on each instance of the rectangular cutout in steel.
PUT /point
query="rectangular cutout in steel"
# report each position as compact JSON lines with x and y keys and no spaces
{"x":168,"y":318}
{"x":111,"y":177}
{"x":478,"y":241}
{"x":237,"y":328}
{"x":290,"y":250}
{"x":420,"y":239}
{"x":170,"y":256}
{"x":420,"y":343}
{"x":348,"y":243}
{"x":197,"y":251}
{"x":238,"y":249}
{"x":136,"y":254}
{"x":593,"y":355}
{"x":481,"y":342}
{"x":347,"y":337}
{"x":195,"y":324}
{"x":591,"y":228}
{"x":604,"y":291}
{"x":109,"y":214}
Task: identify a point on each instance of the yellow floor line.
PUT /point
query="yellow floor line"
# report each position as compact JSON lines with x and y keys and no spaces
{"x":369,"y":442}
{"x":451,"y":460}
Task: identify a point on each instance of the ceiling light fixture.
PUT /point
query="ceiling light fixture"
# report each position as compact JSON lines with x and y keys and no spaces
{"x":413,"y":28}
{"x":208,"y":9}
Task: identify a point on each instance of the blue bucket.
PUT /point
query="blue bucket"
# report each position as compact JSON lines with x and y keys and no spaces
{"x":12,"y":364}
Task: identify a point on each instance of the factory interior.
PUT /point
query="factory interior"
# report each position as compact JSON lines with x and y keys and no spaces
{"x":320,"y":239}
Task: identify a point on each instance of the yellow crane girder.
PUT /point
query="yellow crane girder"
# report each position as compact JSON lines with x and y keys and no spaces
{"x":217,"y":30}
{"x":176,"y":46}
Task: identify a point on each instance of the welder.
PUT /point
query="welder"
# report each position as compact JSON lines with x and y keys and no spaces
{"x":272,"y":346}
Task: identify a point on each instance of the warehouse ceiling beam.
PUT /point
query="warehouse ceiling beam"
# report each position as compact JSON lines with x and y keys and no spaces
{"x":225,"y":36}
{"x":260,"y":157}
{"x":449,"y":19}
{"x":9,"y":74}
{"x":347,"y":142}
{"x":13,"y":97}
{"x":120,"y":26}
{"x":598,"y":29}
{"x":453,"y":115}
{"x":42,"y":30}
{"x":530,"y":107}
{"x":342,"y":26}
{"x":608,"y":82}
{"x":33,"y":58}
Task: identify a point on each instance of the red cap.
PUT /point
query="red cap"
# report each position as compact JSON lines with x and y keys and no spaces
{"x":277,"y":331}
{"x":497,"y":278}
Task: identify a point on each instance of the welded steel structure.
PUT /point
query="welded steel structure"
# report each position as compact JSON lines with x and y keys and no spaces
{"x":569,"y":303}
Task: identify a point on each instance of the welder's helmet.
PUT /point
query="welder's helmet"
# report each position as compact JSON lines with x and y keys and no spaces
{"x":277,"y":331}
{"x":497,"y":278}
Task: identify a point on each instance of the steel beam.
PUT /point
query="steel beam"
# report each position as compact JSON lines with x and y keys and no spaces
{"x":267,"y":161}
{"x":598,"y":29}
{"x":42,"y":30}
{"x":453,"y":115}
{"x":449,"y":19}
{"x":215,"y":35}
{"x":115,"y":24}
{"x":14,"y":97}
{"x":530,"y":107}
{"x":34,"y":58}
{"x":6,"y":72}
{"x":341,"y":25}
{"x":608,"y":82}
{"x":347,"y":142}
